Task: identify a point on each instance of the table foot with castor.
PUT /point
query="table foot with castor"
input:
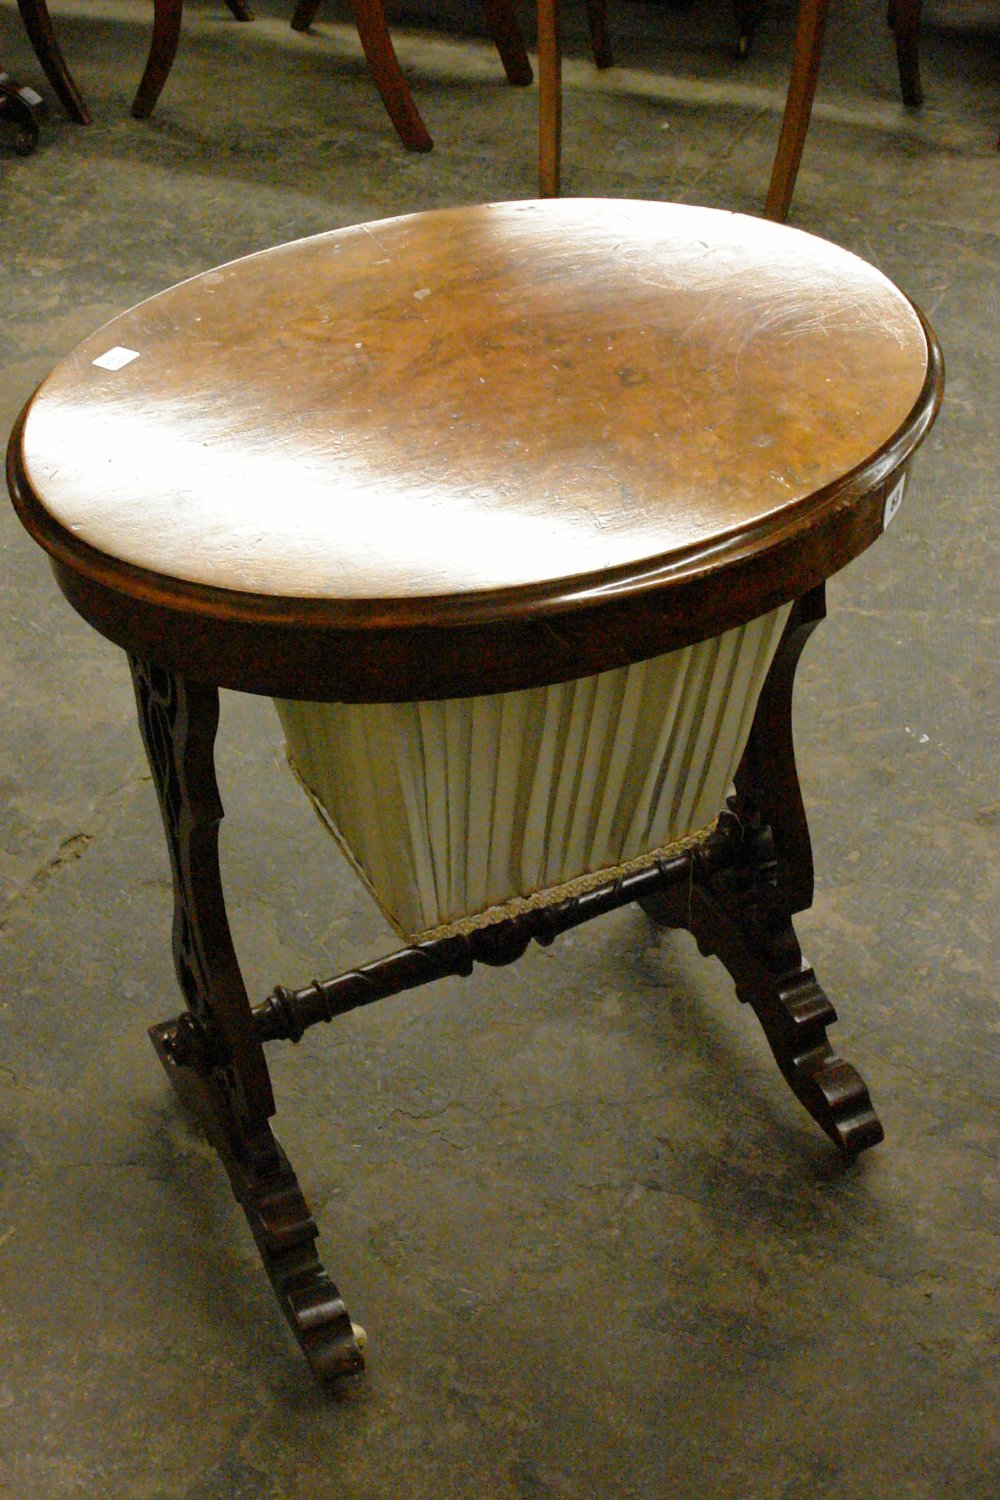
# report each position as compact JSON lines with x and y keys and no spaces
{"x":211,"y":1054}
{"x":267,"y":1189}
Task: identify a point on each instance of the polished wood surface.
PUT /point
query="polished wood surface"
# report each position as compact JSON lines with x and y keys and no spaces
{"x":496,"y":417}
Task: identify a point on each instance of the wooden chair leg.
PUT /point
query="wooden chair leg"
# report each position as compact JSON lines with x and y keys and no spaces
{"x":501,"y":24}
{"x":549,"y":99}
{"x":503,"y":28}
{"x":600,"y":37}
{"x":747,"y":15}
{"x":38,"y":25}
{"x":212,"y":1053}
{"x":809,"y":33}
{"x":904,"y":18}
{"x":550,"y":84}
{"x":383,"y":64}
{"x":162,"y":51}
{"x":305,"y":14}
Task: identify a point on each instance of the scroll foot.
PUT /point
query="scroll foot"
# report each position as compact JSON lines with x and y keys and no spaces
{"x":722,"y":909}
{"x":746,"y":885}
{"x":794,"y":1012}
{"x":268,"y":1191}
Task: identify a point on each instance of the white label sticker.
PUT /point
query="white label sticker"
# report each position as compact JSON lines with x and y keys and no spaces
{"x":116,"y":358}
{"x":893,"y":501}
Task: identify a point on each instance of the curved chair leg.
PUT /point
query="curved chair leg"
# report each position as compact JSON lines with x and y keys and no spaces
{"x":503,"y":28}
{"x":904,"y":18}
{"x":383,"y":64}
{"x":305,"y":14}
{"x":600,"y":37}
{"x":162,"y":51}
{"x":549,"y":99}
{"x":809,"y":33}
{"x":501,"y":24}
{"x":38,"y":25}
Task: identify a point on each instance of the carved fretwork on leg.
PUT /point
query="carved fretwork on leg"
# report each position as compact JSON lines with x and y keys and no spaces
{"x":740,"y":906}
{"x":211,"y":1053}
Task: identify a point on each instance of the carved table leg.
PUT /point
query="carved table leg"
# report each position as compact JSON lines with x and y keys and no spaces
{"x":740,"y":907}
{"x":211,"y":1053}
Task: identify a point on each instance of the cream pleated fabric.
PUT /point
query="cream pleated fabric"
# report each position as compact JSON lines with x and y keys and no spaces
{"x":448,"y":808}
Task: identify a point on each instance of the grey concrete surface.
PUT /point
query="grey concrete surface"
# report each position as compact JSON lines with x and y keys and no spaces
{"x":599,"y":1249}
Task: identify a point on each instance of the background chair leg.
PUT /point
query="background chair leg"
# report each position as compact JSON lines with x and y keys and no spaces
{"x":550,"y":85}
{"x":501,"y":23}
{"x":369,"y":18}
{"x":38,"y":25}
{"x":383,"y":64}
{"x":212,"y":1053}
{"x":747,"y":14}
{"x":741,"y":909}
{"x":549,"y":99}
{"x":600,"y":37}
{"x":305,"y":14}
{"x":904,"y":19}
{"x":162,"y":51}
{"x":809,"y":31}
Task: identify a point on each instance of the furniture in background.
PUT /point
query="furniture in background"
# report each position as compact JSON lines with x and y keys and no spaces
{"x":163,"y":49}
{"x":18,"y":103}
{"x":523,"y":513}
{"x":809,"y":32}
{"x":904,"y":19}
{"x":904,"y":23}
{"x":369,"y":17}
{"x":373,"y":31}
{"x":19,"y":107}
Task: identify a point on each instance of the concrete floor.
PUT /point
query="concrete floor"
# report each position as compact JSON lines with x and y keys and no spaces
{"x":599,"y":1249}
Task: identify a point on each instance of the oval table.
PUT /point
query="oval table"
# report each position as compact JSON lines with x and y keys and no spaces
{"x":447,"y":460}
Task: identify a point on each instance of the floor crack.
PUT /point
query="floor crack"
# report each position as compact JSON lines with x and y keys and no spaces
{"x":69,"y":850}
